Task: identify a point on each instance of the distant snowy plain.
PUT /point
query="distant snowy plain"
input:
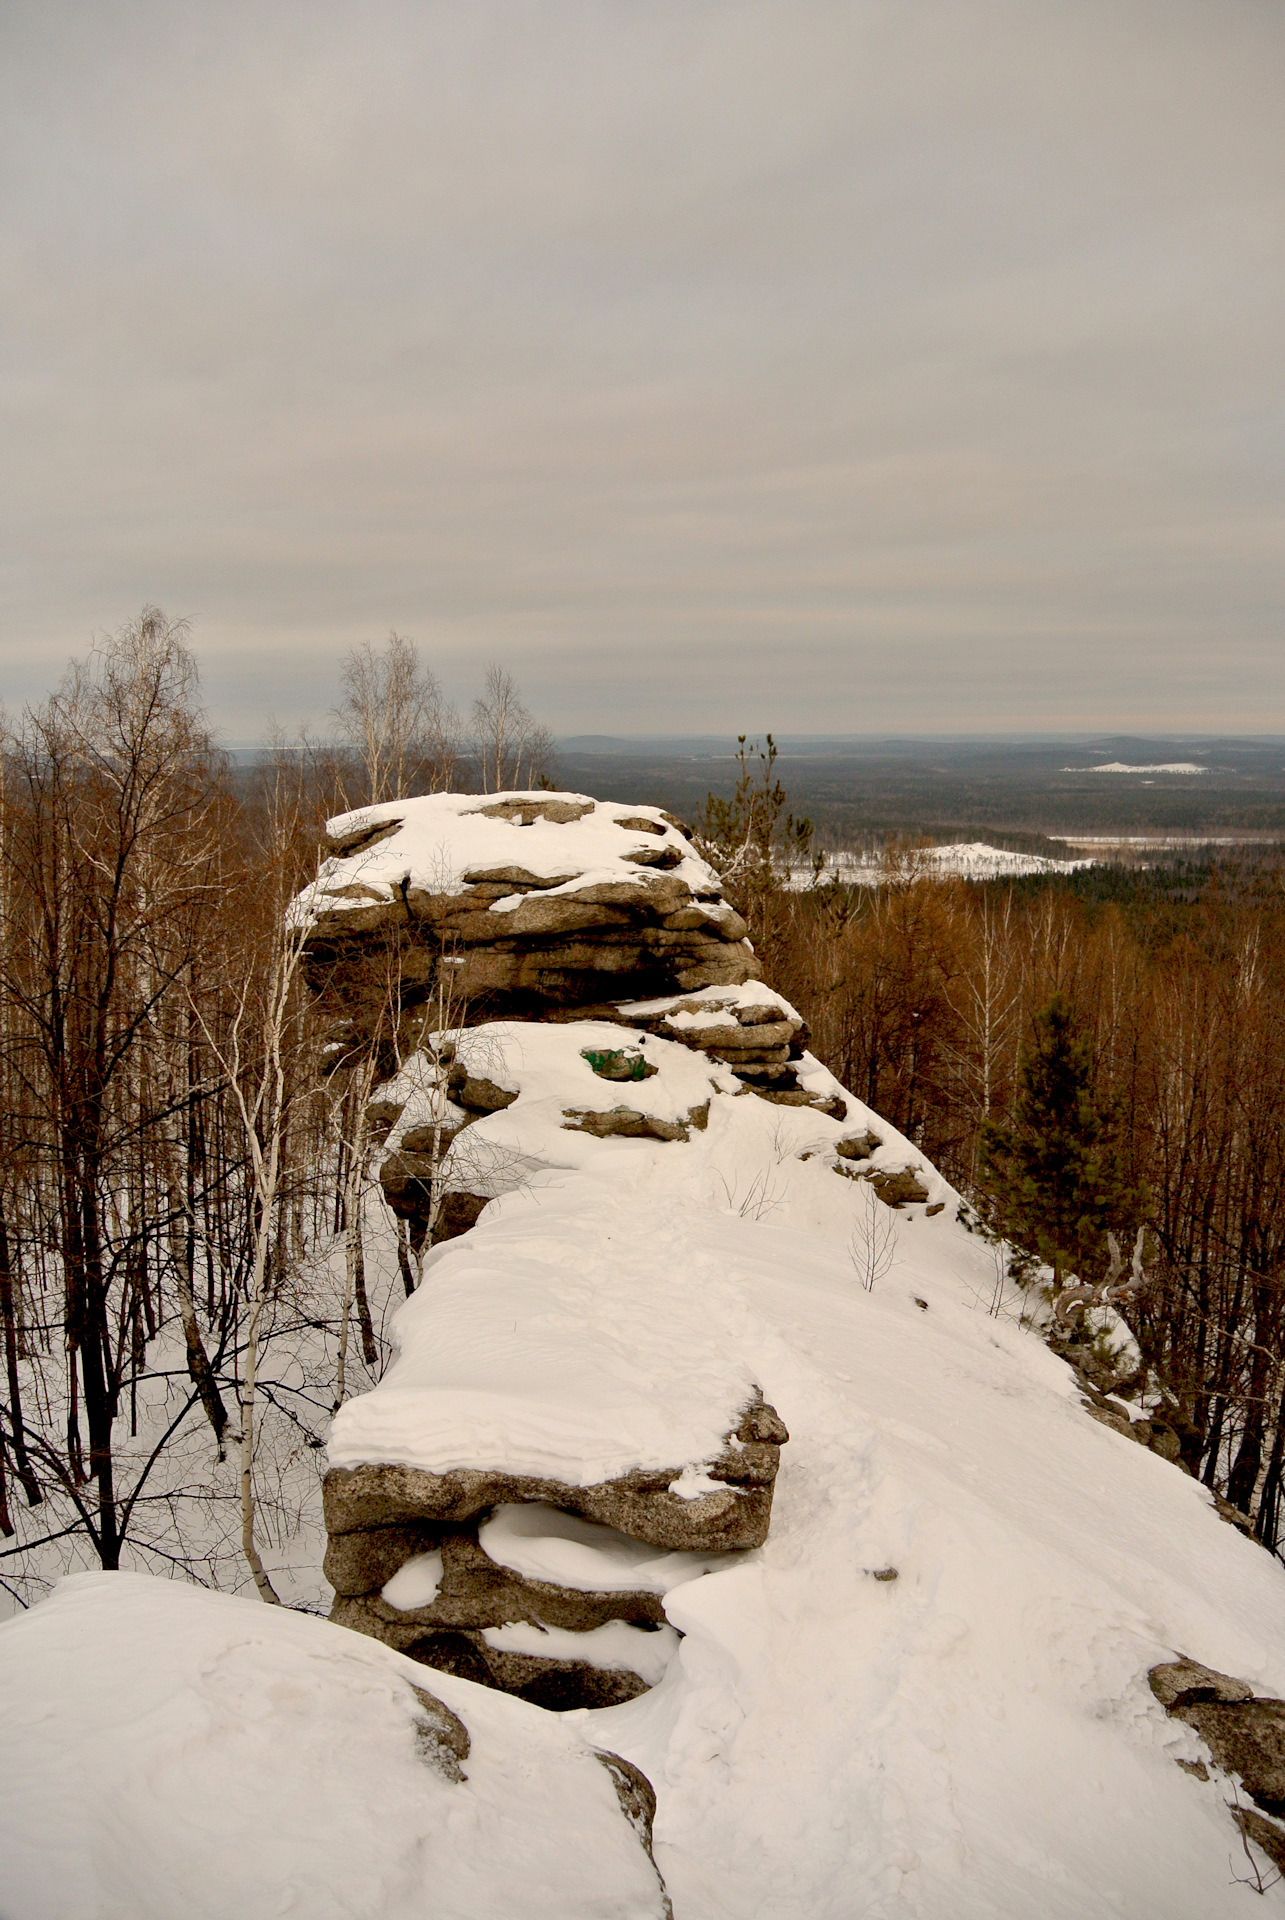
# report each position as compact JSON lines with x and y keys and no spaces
{"x":967,"y":860}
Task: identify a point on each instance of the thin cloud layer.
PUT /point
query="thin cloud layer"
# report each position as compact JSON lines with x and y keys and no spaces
{"x":833,"y":367}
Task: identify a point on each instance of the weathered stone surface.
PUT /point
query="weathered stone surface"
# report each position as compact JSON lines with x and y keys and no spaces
{"x":743,"y":1037}
{"x":361,"y":836}
{"x":745,"y":1061}
{"x":478,"y":1093}
{"x":656,"y":857}
{"x":441,"y":1736}
{"x":766,"y":1015}
{"x":637,"y":1800}
{"x":762,"y":1076}
{"x":626,"y":1123}
{"x":730,"y":968}
{"x":898,"y":1189}
{"x":540,"y":913}
{"x":1243,"y":1522}
{"x":1245,"y":1737}
{"x":652,"y":894}
{"x":706,"y":1018}
{"x":1184,"y":1683}
{"x":560,"y":1685}
{"x":407,"y":1182}
{"x":639,"y":1504}
{"x":474,"y":1592}
{"x":639,"y":823}
{"x":457,"y":1213}
{"x":526,"y":812}
{"x":833,"y":1105}
{"x":857,"y":1146}
{"x":697,"y":942}
{"x":431,"y":1138}
{"x":360,"y":1499}
{"x":558,"y":973}
{"x":381,"y":1114}
{"x":512,"y":879}
{"x":344,"y":920}
{"x":1264,"y":1833}
{"x":1244,"y":1734}
{"x":358,"y":1563}
{"x":1158,"y":1437}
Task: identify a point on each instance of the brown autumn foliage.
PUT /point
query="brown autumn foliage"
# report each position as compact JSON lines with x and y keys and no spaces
{"x":919,"y":994}
{"x":172,"y":1156}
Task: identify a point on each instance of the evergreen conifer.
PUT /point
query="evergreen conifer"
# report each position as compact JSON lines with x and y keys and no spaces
{"x":1054,"y":1180}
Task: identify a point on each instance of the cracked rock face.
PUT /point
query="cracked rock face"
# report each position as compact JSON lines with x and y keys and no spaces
{"x":390,"y":1521}
{"x":1245,"y":1735}
{"x":529,"y":906}
{"x":734,"y":1513}
{"x":567,"y":970}
{"x":530,"y":901}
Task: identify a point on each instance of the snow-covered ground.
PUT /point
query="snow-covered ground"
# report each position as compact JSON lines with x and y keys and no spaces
{"x":924,"y":1698}
{"x":1124,"y":766}
{"x":969,"y":860}
{"x":170,"y":1752}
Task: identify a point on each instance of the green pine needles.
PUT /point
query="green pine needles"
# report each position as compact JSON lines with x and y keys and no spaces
{"x":1054,"y":1180}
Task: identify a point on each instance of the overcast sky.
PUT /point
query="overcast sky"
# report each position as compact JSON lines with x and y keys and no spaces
{"x":843,"y":368}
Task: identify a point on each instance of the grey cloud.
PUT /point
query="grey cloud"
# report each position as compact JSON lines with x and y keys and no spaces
{"x":828,"y":367}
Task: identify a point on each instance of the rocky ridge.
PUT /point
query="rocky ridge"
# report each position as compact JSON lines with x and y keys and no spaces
{"x":569,"y":981}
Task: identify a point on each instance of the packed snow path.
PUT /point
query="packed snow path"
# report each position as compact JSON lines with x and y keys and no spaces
{"x":976,"y":1736}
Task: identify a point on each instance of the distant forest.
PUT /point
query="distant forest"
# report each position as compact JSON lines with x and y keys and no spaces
{"x":1013,"y":794}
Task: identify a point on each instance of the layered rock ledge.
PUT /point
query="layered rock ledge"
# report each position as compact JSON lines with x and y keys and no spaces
{"x":551,"y":983}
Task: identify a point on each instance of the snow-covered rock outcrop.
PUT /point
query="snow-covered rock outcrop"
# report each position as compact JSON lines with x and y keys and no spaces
{"x":453,"y":910}
{"x":501,"y":1398}
{"x":532,"y":900}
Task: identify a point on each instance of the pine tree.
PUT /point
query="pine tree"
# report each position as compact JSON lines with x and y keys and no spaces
{"x":1054,"y":1180}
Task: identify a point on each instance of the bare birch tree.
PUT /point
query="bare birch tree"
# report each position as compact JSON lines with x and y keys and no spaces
{"x":512,"y":748}
{"x":257,"y":1051}
{"x":109,"y":849}
{"x":396,"y":722}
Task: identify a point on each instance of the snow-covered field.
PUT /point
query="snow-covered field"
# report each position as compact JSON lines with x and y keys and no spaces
{"x":924,"y":1697}
{"x":969,"y":860}
{"x":1124,"y":766}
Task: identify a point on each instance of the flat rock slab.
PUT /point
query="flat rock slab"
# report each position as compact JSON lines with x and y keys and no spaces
{"x":561,"y":1686}
{"x":1185,"y":1683}
{"x":474,"y":1592}
{"x":734,"y":1513}
{"x":639,"y":1504}
{"x":625,"y":1123}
